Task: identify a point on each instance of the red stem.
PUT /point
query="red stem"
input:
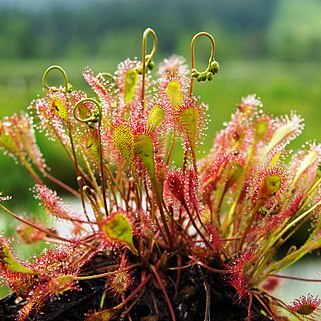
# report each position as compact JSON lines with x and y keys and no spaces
{"x":161,"y":284}
{"x":139,"y":287}
{"x":295,"y":278}
{"x":265,"y":307}
{"x":179,"y":272}
{"x":61,"y":184}
{"x":249,"y":307}
{"x":47,"y":232}
{"x":102,"y":172}
{"x":207,"y":267}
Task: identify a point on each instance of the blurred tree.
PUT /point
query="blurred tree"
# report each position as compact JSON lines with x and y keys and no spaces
{"x":75,"y":30}
{"x":294,"y":32}
{"x":15,"y":31}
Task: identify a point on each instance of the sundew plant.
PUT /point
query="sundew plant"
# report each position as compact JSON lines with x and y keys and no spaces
{"x":154,"y":240}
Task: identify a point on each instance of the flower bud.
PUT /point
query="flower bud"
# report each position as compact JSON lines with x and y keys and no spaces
{"x":151,"y":65}
{"x":215,"y":67}
{"x":194,"y":73}
{"x":209,"y":76}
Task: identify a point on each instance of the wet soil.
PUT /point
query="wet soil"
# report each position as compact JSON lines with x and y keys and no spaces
{"x":201,"y":296}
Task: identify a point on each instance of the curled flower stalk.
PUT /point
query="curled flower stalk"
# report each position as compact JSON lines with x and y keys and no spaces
{"x":204,"y":241}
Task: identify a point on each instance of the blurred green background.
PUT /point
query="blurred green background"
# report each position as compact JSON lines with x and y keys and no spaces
{"x":271,"y":48}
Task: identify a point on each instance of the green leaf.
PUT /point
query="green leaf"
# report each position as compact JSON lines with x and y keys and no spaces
{"x":10,"y":262}
{"x":175,"y":94}
{"x":93,"y":147}
{"x":144,"y":149}
{"x":59,"y":108}
{"x":271,"y":185}
{"x":155,"y":117}
{"x":7,"y":142}
{"x":130,"y":82}
{"x":118,"y":228}
{"x":234,"y":174}
{"x":261,"y":127}
{"x":189,"y":121}
{"x":124,"y":141}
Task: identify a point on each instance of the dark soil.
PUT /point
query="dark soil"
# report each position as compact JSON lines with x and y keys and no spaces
{"x":190,"y":301}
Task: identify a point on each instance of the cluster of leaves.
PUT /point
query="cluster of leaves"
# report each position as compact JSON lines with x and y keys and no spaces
{"x":228,"y":213}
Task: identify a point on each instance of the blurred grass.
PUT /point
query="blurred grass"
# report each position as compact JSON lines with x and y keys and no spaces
{"x":282,"y":87}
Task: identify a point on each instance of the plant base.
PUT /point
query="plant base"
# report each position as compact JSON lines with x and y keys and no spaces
{"x":190,"y":301}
